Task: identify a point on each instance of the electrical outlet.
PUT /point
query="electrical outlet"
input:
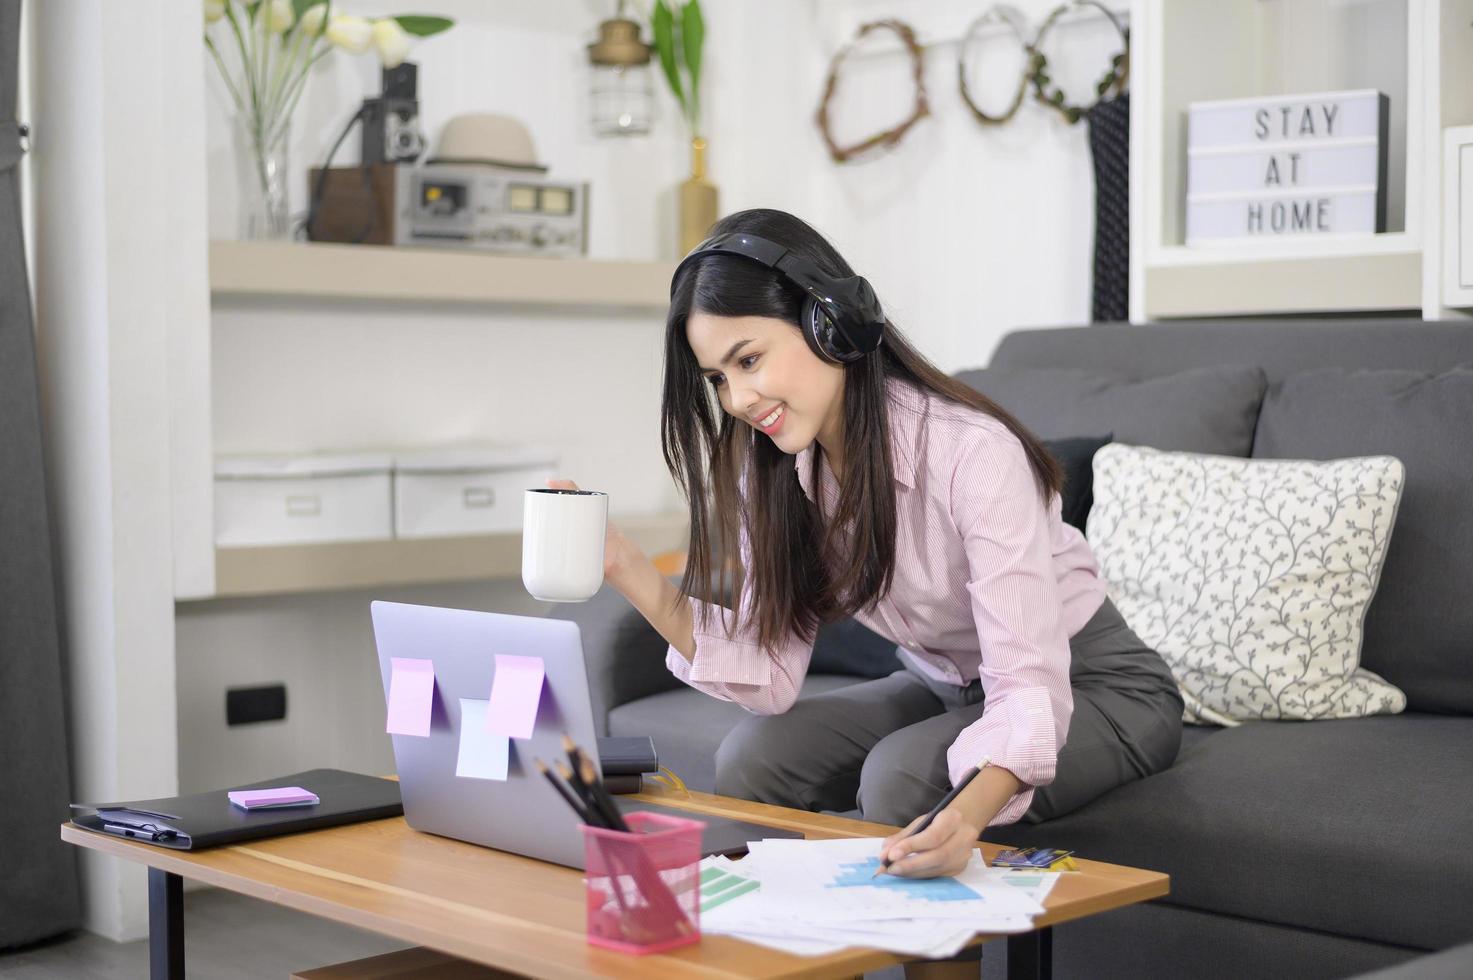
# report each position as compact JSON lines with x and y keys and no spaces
{"x":247,"y":705}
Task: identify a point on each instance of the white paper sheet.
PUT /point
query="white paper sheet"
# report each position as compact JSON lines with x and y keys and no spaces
{"x":816,"y":897}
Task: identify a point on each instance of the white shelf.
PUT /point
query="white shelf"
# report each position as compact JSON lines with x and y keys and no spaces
{"x":313,"y":270}
{"x":1416,"y":51}
{"x":1248,"y":250}
{"x":1253,"y":285}
{"x":287,"y":569}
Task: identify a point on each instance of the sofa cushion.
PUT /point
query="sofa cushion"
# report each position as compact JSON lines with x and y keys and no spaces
{"x":623,"y":654}
{"x":1450,"y":964}
{"x":1251,"y":577}
{"x":1076,"y":457}
{"x":1418,"y":629}
{"x":850,"y":647}
{"x":1204,"y":410}
{"x":687,"y":726}
{"x":1356,"y":828}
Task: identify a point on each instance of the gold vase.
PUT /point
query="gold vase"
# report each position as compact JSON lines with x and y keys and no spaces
{"x":697,"y":200}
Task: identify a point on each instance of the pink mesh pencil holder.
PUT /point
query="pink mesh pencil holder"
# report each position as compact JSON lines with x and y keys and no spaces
{"x":642,"y":887}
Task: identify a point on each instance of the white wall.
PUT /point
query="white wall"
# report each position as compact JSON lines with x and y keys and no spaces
{"x":967,"y":232}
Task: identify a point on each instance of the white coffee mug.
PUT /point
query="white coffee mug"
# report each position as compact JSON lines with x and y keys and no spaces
{"x":563,"y":543}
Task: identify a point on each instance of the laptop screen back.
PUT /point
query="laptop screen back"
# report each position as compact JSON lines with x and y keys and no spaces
{"x":522,"y":814}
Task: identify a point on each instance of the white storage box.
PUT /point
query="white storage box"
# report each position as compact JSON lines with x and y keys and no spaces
{"x":449,"y":492}
{"x":264,"y":500}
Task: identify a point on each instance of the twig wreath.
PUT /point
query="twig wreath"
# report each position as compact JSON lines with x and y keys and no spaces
{"x":999,"y":13}
{"x":889,"y":137}
{"x":1035,"y":73}
{"x":1112,"y":81}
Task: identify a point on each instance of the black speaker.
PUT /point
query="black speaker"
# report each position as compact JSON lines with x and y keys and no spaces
{"x":391,"y":131}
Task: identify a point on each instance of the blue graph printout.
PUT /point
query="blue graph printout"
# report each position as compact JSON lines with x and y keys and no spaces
{"x":856,"y":873}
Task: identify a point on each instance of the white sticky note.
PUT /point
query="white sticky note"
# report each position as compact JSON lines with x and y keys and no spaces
{"x":482,"y":755}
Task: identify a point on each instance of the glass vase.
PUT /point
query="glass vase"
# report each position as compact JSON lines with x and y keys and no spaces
{"x":261,"y":166}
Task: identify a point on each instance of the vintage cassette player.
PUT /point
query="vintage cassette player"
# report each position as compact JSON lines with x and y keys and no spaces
{"x":454,"y":205}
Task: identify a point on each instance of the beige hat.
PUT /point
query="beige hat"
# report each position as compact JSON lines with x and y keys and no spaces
{"x":486,"y":138}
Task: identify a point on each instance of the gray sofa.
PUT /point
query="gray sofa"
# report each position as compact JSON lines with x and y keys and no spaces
{"x":1302,"y":850}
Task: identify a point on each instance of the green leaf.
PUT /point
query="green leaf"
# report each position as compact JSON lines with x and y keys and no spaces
{"x":692,"y":37}
{"x":300,"y":7}
{"x":662,"y":24}
{"x":251,"y":7}
{"x":422,"y":26}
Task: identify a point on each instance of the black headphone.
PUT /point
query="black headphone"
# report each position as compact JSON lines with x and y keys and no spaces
{"x":841,"y":318}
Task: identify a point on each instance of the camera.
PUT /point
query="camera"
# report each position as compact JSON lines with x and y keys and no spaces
{"x":391,"y":132}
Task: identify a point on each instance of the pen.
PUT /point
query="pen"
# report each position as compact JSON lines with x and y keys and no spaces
{"x":956,"y":790}
{"x":148,"y":832}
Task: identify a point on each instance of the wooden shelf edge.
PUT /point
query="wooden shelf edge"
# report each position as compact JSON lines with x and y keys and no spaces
{"x":337,"y":566}
{"x":317,"y":270}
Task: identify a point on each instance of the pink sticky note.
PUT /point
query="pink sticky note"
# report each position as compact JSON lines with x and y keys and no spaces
{"x":411,"y":695}
{"x":258,"y":799}
{"x":516,"y":691}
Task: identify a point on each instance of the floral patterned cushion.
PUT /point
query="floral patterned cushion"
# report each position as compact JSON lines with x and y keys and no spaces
{"x":1251,"y":577}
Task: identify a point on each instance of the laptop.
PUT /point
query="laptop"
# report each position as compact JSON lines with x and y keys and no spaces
{"x":522,"y":814}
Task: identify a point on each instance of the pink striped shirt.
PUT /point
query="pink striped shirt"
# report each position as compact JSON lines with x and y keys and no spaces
{"x":988,"y":583}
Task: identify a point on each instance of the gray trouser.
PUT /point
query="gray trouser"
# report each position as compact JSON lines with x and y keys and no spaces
{"x":882,"y":743}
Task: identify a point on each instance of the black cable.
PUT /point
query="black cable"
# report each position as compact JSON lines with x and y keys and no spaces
{"x":305,"y":228}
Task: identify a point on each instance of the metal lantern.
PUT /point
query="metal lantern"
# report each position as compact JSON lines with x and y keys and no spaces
{"x":622,"y":98}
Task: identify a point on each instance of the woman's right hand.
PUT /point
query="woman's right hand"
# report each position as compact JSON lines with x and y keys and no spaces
{"x":617,"y":548}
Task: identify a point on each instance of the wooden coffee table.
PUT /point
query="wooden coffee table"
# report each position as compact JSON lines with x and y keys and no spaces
{"x":526,"y":916}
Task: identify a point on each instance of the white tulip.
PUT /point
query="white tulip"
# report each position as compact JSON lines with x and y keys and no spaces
{"x":312,"y":20}
{"x":391,"y":41}
{"x":279,"y":16}
{"x":214,"y":10}
{"x":350,"y":33}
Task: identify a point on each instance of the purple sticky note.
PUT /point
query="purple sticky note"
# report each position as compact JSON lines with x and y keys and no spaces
{"x":411,"y":695}
{"x":257,"y":799}
{"x":515,"y":692}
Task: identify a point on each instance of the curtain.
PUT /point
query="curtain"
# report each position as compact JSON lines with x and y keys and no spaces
{"x":38,"y":873}
{"x":1109,"y":144}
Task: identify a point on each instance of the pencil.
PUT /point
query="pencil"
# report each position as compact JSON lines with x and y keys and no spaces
{"x":575,"y":765}
{"x":945,"y":801}
{"x":600,"y":797}
{"x":567,"y":794}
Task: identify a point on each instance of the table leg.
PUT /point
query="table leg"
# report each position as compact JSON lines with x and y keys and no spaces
{"x":1031,"y":955}
{"x":165,"y":925}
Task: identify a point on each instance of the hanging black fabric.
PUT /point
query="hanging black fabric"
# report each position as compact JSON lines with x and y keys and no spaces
{"x":1109,"y":144}
{"x":38,"y":873}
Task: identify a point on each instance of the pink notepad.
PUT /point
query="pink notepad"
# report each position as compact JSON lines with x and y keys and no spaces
{"x":265,"y":799}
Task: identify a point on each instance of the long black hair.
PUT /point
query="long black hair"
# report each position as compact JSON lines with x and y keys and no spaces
{"x":799,"y":576}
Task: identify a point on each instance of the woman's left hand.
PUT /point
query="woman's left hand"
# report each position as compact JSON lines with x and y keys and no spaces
{"x":944,"y":848}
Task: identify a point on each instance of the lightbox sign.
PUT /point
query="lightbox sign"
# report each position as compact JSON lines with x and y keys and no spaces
{"x":1287,"y":166}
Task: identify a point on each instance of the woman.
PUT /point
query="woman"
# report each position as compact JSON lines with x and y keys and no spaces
{"x":856,"y":479}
